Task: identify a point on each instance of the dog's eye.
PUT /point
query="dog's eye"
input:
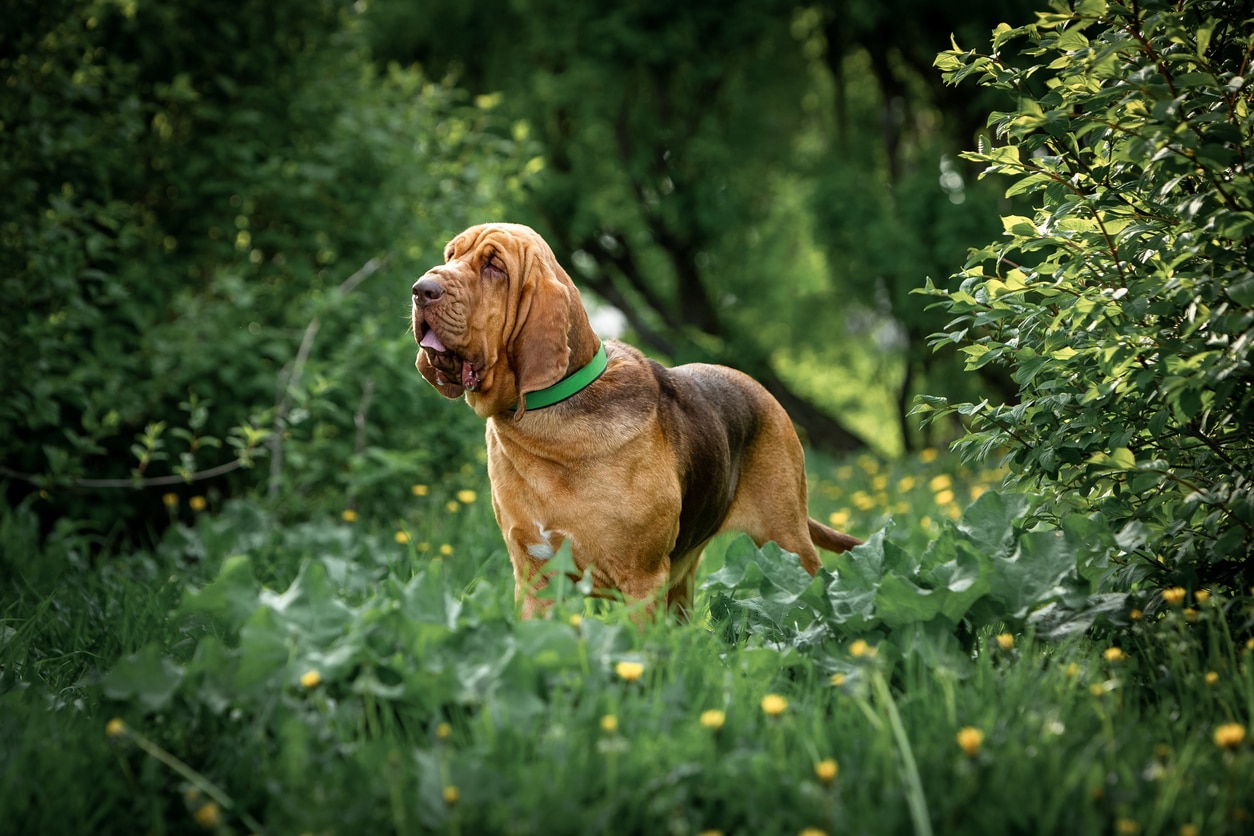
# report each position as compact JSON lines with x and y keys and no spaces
{"x":492,"y":267}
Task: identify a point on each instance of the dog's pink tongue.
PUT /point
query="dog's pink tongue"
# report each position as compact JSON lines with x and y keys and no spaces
{"x":432,"y":342}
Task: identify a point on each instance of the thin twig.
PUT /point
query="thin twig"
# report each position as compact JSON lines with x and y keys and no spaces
{"x":291,"y":377}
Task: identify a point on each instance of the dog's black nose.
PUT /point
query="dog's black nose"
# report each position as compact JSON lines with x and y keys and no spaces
{"x":427,"y":290}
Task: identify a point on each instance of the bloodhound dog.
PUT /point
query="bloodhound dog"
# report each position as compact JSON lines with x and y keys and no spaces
{"x":636,"y":466}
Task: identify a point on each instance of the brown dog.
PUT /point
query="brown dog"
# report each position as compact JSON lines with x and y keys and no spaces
{"x":635,"y":465}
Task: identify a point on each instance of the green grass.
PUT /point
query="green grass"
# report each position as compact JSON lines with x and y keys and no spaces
{"x":364,"y":673}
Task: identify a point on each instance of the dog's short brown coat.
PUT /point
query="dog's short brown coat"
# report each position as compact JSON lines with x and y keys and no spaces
{"x":637,"y":471}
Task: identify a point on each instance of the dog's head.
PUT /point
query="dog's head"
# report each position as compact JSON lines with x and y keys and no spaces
{"x":498,"y":319}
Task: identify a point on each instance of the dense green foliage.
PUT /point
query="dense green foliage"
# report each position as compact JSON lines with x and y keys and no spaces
{"x":214,"y":214}
{"x":189,"y":188}
{"x":247,"y":676}
{"x":1124,"y":305}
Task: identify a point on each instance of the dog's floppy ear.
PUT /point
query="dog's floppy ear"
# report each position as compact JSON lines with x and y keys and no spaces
{"x":540,"y":354}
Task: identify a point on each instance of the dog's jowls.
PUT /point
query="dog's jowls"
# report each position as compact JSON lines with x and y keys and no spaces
{"x":636,"y":471}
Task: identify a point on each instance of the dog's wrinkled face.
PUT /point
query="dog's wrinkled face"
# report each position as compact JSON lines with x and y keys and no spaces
{"x":491,"y":321}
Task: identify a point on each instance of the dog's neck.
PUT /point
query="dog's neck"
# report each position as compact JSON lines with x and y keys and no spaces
{"x":581,"y":339}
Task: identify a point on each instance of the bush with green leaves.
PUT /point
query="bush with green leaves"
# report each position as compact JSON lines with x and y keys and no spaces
{"x":197,"y":200}
{"x":1124,"y":303}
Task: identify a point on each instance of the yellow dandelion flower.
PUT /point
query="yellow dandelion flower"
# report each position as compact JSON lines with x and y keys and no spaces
{"x":713,"y":719}
{"x":1072,"y":669}
{"x":348,"y":515}
{"x":925,"y":521}
{"x":844,"y":473}
{"x":466,"y":497}
{"x":774,"y":704}
{"x":862,"y":500}
{"x":1174,"y":596}
{"x":170,"y":500}
{"x":443,"y":731}
{"x":208,"y":815}
{"x":939,"y":483}
{"x":1006,"y":641}
{"x":1190,"y":614}
{"x":977,"y":491}
{"x":1127,"y":827}
{"x":907,"y":483}
{"x":452,"y":506}
{"x":575,"y":619}
{"x":420,"y":490}
{"x":115,"y":728}
{"x":402,"y":537}
{"x":813,"y":831}
{"x":452,"y":795}
{"x":710,"y":833}
{"x":1201,"y":596}
{"x":197,"y":503}
{"x":880,"y":482}
{"x":1188,"y":829}
{"x":1229,"y":735}
{"x":838,"y":679}
{"x":1136,"y":615}
{"x":609,"y":724}
{"x":868,"y":464}
{"x":446,"y":550}
{"x":953,"y":511}
{"x":860,"y":649}
{"x":944,"y":497}
{"x":928,"y":455}
{"x":839,"y":519}
{"x":1097,"y":689}
{"x":970,"y":739}
{"x":1114,"y":654}
{"x":310,"y":679}
{"x":629,"y":671}
{"x":424,"y":546}
{"x":827,"y":770}
{"x":1212,"y":677}
{"x":901,"y":508}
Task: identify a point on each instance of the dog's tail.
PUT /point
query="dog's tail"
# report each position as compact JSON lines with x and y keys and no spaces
{"x":829,"y":539}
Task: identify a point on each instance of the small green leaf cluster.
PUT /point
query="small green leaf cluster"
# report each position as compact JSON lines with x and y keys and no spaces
{"x":1123,"y":302}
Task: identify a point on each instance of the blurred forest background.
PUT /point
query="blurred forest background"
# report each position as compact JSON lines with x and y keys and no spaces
{"x":214,"y":212}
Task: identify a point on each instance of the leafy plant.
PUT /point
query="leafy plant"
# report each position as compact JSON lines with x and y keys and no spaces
{"x":1123,"y":304}
{"x":982,"y":571}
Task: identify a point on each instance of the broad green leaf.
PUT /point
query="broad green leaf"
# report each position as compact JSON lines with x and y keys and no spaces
{"x":1057,"y":622}
{"x":231,"y":597}
{"x":1018,"y":225}
{"x":310,"y":609}
{"x":263,"y":650}
{"x":935,"y":644}
{"x":548,"y":644}
{"x":959,"y":582}
{"x":148,"y":677}
{"x":989,"y":523}
{"x":1033,"y":574}
{"x":900,"y":601}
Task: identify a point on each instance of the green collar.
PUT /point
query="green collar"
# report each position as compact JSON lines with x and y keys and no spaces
{"x":570,"y":386}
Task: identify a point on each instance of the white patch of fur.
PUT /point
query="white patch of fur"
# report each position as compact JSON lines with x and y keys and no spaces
{"x":545,"y":550}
